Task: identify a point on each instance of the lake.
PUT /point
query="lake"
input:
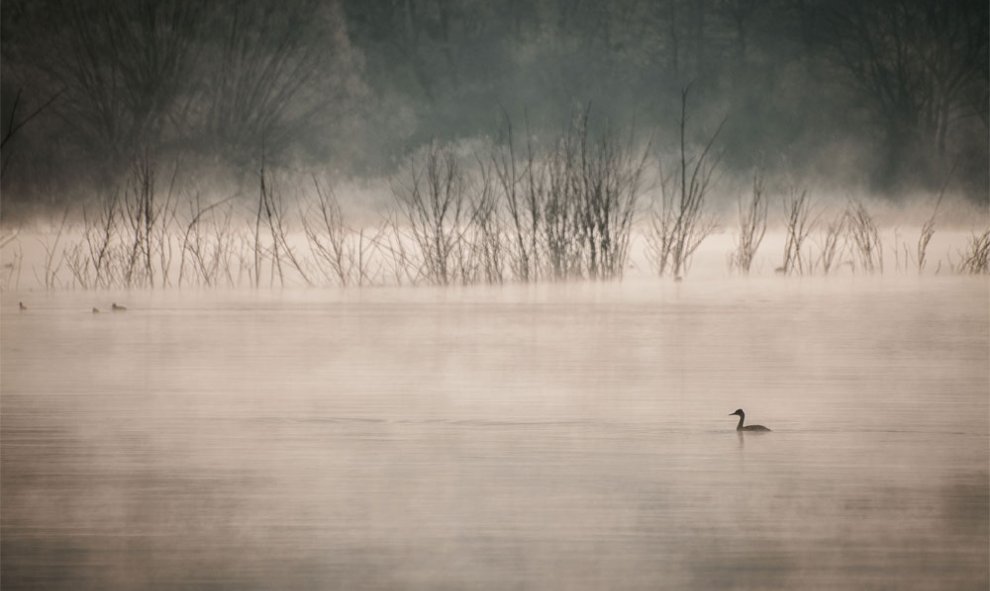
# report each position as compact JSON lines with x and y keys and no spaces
{"x":569,"y":436}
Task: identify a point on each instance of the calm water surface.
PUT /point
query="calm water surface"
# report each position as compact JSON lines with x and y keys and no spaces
{"x":560,"y":437}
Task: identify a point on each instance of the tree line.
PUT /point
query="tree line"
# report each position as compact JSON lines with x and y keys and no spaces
{"x":890,"y":94}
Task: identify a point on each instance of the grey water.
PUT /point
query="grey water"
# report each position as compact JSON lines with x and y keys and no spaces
{"x":568,"y":436}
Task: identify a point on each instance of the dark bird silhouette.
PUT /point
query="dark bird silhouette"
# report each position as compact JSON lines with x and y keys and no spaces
{"x":117,"y":308}
{"x":21,"y":306}
{"x":742,"y":417}
{"x":96,"y":310}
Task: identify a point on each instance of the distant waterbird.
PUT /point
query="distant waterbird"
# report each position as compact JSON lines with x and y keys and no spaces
{"x":117,"y":308}
{"x":21,"y":306}
{"x":742,"y":417}
{"x":96,"y":310}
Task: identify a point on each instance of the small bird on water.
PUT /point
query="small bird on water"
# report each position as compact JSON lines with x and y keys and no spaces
{"x":742,"y":417}
{"x":117,"y":308}
{"x":96,"y":310}
{"x":21,"y":306}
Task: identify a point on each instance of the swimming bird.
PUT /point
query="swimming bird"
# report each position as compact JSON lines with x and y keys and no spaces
{"x":117,"y":308}
{"x":742,"y":417}
{"x":96,"y":310}
{"x":21,"y":306}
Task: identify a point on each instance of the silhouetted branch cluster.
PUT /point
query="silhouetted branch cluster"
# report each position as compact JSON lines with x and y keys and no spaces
{"x":561,"y":212}
{"x":752,"y":224}
{"x":679,"y":222}
{"x":976,"y":258}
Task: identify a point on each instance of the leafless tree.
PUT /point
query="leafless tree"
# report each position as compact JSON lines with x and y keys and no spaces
{"x":916,"y":63}
{"x":265,"y":68}
{"x":14,"y":125}
{"x":125,"y":66}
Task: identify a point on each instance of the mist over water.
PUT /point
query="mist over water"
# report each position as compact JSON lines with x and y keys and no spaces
{"x":551,"y":436}
{"x":460,"y":295}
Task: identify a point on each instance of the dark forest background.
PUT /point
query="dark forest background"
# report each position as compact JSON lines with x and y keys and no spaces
{"x":889,"y":96}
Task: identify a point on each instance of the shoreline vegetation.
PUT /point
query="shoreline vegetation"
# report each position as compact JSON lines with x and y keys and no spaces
{"x":514,"y":211}
{"x":192,"y":244}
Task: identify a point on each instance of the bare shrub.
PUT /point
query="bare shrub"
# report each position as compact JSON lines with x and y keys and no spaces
{"x":434,"y":205}
{"x":10,"y":273}
{"x":272,"y":211}
{"x":865,"y":237}
{"x":611,"y":174}
{"x":341,"y":254}
{"x":678,"y":222}
{"x":928,"y":228}
{"x":752,"y":224}
{"x":77,"y":261}
{"x":798,"y":224}
{"x":139,"y":216}
{"x":54,"y":255}
{"x":147,"y":225}
{"x":99,"y":234}
{"x":521,"y":186}
{"x":561,"y":226}
{"x":207,"y":244}
{"x":569,"y":206}
{"x":402,"y":264}
{"x":488,"y":236}
{"x":326,"y":234}
{"x":160,"y":235}
{"x":830,"y":241}
{"x":976,"y":258}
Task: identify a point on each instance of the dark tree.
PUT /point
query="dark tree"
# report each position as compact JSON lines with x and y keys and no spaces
{"x":922,"y":65}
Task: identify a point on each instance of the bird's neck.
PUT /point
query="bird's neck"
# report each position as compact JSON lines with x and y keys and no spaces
{"x":740,"y":425}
